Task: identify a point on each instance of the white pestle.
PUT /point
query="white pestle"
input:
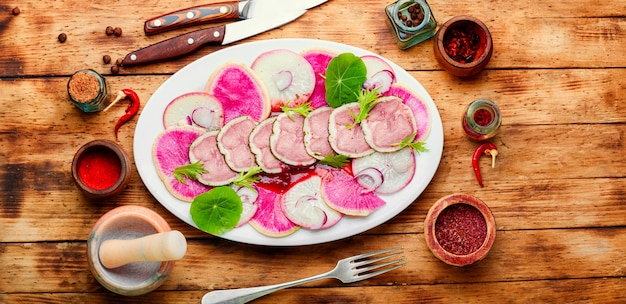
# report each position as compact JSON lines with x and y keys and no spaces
{"x":158,"y":247}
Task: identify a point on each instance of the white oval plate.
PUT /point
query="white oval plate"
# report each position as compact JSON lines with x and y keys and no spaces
{"x":194,"y":76}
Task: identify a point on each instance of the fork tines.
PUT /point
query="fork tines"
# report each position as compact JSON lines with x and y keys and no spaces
{"x":366,"y":263}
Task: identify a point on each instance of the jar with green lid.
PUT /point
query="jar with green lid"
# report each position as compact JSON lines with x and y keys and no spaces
{"x":88,"y":90}
{"x":481,"y":119}
{"x":411,"y":22}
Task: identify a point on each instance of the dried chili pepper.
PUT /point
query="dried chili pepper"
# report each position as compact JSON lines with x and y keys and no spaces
{"x":487,"y":149}
{"x":131,"y":110}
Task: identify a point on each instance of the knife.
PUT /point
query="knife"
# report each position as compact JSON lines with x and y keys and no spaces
{"x":219,"y":35}
{"x":223,"y":11}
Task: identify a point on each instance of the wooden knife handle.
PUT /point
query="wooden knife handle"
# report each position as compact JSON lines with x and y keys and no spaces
{"x":177,"y":46}
{"x":215,"y":12}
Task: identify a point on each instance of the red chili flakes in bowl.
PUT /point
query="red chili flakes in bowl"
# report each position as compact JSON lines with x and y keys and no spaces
{"x":461,"y":229}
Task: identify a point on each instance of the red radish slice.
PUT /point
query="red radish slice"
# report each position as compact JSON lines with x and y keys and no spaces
{"x":397,"y":168}
{"x":304,"y":205}
{"x":204,"y":149}
{"x":196,"y":109}
{"x":316,"y":133}
{"x":379,"y":73}
{"x":345,"y":137}
{"x":287,"y":140}
{"x":319,"y":60}
{"x":342,"y":192}
{"x":269,"y":218}
{"x":288,"y":77}
{"x":240,"y":92}
{"x":234,"y":143}
{"x":170,"y":151}
{"x":417,"y":105}
{"x":248,"y":202}
{"x":260,"y":146}
{"x":389,"y":122}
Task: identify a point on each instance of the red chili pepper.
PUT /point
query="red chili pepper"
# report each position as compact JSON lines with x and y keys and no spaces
{"x":131,"y":110}
{"x":487,"y":149}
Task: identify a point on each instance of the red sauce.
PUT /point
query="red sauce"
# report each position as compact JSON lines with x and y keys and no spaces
{"x":99,"y":169}
{"x":280,"y":182}
{"x":461,"y":229}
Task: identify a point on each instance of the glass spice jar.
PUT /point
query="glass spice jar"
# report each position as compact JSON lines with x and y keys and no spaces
{"x":481,"y":119}
{"x":88,"y":90}
{"x":411,"y":22}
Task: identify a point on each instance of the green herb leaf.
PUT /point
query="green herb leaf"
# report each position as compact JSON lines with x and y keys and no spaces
{"x":191,"y":171}
{"x":246,"y":179}
{"x":216,"y":211}
{"x":345,"y":76}
{"x":367,"y":100}
{"x":335,"y":160}
{"x":303,"y":109}
{"x":418,"y":146}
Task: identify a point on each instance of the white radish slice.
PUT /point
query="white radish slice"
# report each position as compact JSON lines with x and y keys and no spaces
{"x":389,"y":123}
{"x":270,"y":219}
{"x":370,"y":178}
{"x":397,"y":168}
{"x":248,"y":202}
{"x":195,"y":109}
{"x":382,"y":81}
{"x":375,"y":65}
{"x":288,"y":77}
{"x":303,"y":205}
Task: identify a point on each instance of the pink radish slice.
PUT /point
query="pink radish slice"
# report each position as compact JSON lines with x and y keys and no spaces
{"x":287,"y":140}
{"x":248,"y":202}
{"x":397,"y":168}
{"x":304,"y":206}
{"x":288,"y":77}
{"x":417,"y":105}
{"x":389,"y":123}
{"x":379,"y":73}
{"x":204,"y":149}
{"x":195,"y":108}
{"x":319,"y":60}
{"x":269,"y":219}
{"x":345,"y":137}
{"x":260,"y":146}
{"x":234,"y":143}
{"x":170,"y":151}
{"x":316,"y":133}
{"x":240,"y":92}
{"x":342,"y":192}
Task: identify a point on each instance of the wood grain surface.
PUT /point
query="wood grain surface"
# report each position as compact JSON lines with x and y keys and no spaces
{"x":558,"y":191}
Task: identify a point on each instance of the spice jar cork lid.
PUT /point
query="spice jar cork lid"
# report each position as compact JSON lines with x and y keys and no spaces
{"x":459,"y":229}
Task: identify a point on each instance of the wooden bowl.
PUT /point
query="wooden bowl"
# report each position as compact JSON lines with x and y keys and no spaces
{"x":481,"y":55}
{"x":117,"y":169}
{"x":460,"y":216}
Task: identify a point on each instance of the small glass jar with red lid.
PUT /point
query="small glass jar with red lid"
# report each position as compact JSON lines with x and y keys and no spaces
{"x":481,"y":119}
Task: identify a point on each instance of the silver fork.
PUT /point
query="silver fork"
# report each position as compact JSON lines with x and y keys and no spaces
{"x":348,"y":270}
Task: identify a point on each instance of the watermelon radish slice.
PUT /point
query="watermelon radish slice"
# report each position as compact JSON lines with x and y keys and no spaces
{"x":287,"y":140}
{"x":345,"y":137}
{"x":304,"y":206}
{"x":170,"y":151}
{"x":260,"y":146}
{"x":316,"y":134}
{"x":248,"y":203}
{"x":240,"y":92}
{"x":319,"y":60}
{"x":397,"y":169}
{"x":417,"y":105}
{"x":379,"y":74}
{"x":389,"y":123}
{"x":194,"y":109}
{"x":269,"y":219}
{"x":342,"y":192}
{"x":233,"y":140}
{"x":288,"y":77}
{"x":204,"y":149}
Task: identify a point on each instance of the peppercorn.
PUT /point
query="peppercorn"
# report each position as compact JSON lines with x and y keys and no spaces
{"x":117,"y":31}
{"x":106,"y":59}
{"x":109,"y":30}
{"x":16,"y":11}
{"x":115,"y":69}
{"x":62,"y":37}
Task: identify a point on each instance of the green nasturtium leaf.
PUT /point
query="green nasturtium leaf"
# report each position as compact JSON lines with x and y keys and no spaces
{"x":345,"y":76}
{"x":216,"y":211}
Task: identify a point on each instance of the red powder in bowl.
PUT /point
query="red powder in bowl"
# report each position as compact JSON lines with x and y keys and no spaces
{"x":99,"y":169}
{"x":461,"y":229}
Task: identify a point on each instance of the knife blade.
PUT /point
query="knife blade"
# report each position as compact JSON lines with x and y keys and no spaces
{"x":224,"y":11}
{"x":218,"y":35}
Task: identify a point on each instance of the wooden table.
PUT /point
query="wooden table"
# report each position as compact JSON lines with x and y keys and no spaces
{"x":558,"y":191}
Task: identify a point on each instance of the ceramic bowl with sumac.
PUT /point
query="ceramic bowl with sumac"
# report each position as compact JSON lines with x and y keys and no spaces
{"x":460,"y":229}
{"x":463,"y":46}
{"x":101,"y":168}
